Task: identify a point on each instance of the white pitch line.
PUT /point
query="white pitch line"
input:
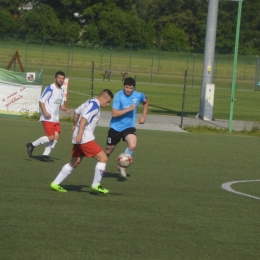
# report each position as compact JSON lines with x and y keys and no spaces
{"x":227,"y":186}
{"x":79,"y":93}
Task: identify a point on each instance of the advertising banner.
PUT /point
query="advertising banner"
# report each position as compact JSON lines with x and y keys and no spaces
{"x":20,"y":92}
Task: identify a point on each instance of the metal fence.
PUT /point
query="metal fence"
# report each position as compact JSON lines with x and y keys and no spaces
{"x":158,"y":73}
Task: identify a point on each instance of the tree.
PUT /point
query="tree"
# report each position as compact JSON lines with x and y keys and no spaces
{"x":7,"y":22}
{"x":111,"y":24}
{"x":174,"y":38}
{"x":43,"y":21}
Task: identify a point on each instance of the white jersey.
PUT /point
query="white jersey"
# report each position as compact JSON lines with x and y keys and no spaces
{"x":53,"y":98}
{"x":91,"y":111}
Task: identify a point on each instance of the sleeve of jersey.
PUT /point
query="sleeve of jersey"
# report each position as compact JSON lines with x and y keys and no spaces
{"x":90,"y":111}
{"x":143,"y":98}
{"x":80,"y":109}
{"x":46,"y":94}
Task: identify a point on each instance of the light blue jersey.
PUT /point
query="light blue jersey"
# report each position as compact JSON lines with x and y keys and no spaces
{"x":122,"y":101}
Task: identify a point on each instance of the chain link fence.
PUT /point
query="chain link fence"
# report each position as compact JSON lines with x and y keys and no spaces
{"x":159,"y":74}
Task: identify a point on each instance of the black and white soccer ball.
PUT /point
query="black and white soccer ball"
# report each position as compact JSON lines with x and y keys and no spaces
{"x":124,"y":160}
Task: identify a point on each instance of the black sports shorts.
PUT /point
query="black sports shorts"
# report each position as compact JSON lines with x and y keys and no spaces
{"x":114,"y":137}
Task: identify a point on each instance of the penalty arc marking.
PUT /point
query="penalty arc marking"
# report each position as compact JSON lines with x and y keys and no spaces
{"x":227,"y":186}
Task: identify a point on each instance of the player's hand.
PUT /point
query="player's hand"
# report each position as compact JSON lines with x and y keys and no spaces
{"x":141,"y":120}
{"x":78,"y":139}
{"x":68,"y":111}
{"x":72,"y":129}
{"x":47,"y":115}
{"x":132,"y":107}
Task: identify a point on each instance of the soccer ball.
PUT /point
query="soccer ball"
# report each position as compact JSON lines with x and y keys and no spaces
{"x":124,"y":160}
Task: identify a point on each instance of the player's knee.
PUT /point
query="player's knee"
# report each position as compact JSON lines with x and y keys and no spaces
{"x":75,"y":165}
{"x":51,"y":138}
{"x":103,"y":158}
{"x":108,"y":152}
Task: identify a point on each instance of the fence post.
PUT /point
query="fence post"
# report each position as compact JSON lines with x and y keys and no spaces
{"x":26,"y":55}
{"x":245,"y":66}
{"x":101,"y":56}
{"x":159,"y":58}
{"x":72,"y":51}
{"x":110,"y":59}
{"x":183,"y":97}
{"x":92,"y":80}
{"x":130,"y":61}
{"x":14,"y":44}
{"x":193,"y":68}
{"x":257,"y":73}
{"x":151,"y":78}
{"x":43,"y":45}
{"x":68,"y":59}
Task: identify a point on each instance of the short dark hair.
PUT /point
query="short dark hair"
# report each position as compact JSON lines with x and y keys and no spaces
{"x":59,"y":73}
{"x":129,"y":81}
{"x":107,"y":92}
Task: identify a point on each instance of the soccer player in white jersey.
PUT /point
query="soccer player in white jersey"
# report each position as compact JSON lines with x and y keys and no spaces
{"x":85,"y":120}
{"x":122,"y":124}
{"x":52,"y":99}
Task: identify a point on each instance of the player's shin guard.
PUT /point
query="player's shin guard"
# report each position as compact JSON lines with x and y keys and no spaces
{"x":99,"y":172}
{"x":40,"y":141}
{"x":48,"y":148}
{"x":63,"y":174}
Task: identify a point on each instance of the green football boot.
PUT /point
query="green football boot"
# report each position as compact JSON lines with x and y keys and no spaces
{"x":99,"y":189}
{"x":57,"y":187}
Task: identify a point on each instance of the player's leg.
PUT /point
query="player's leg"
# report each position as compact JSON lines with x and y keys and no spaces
{"x":113,"y":138}
{"x":53,"y":133}
{"x":131,"y":141}
{"x":129,"y":136}
{"x":92,"y":149}
{"x":40,"y":141}
{"x":66,"y":170}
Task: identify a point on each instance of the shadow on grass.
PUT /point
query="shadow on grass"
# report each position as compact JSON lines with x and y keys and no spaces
{"x":38,"y":158}
{"x":78,"y":188}
{"x":116,"y":176}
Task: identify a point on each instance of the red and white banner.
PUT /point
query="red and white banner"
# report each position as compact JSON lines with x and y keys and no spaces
{"x":19,"y":99}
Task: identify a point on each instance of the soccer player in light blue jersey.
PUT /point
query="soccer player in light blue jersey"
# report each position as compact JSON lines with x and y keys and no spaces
{"x":122,"y":124}
{"x":52,"y":99}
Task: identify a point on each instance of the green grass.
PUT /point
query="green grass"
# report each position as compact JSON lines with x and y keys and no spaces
{"x":214,"y":130}
{"x":170,"y":207}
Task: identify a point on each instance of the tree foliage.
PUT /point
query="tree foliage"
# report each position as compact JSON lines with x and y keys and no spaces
{"x":172,"y":24}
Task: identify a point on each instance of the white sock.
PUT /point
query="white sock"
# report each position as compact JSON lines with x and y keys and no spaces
{"x":99,"y":172}
{"x":65,"y":171}
{"x":40,"y":141}
{"x":54,"y":143}
{"x":48,"y":148}
{"x":128,"y":151}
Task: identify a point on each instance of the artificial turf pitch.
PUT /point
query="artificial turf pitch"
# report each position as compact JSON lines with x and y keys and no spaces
{"x":171,"y":206}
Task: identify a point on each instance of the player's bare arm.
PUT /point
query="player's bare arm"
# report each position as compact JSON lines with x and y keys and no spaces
{"x":75,"y":121}
{"x":117,"y":113}
{"x":43,"y":108}
{"x":64,"y":108}
{"x":82,"y":124}
{"x":145,"y":110}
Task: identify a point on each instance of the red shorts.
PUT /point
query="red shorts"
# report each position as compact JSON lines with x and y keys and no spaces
{"x":88,"y":149}
{"x":51,"y":127}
